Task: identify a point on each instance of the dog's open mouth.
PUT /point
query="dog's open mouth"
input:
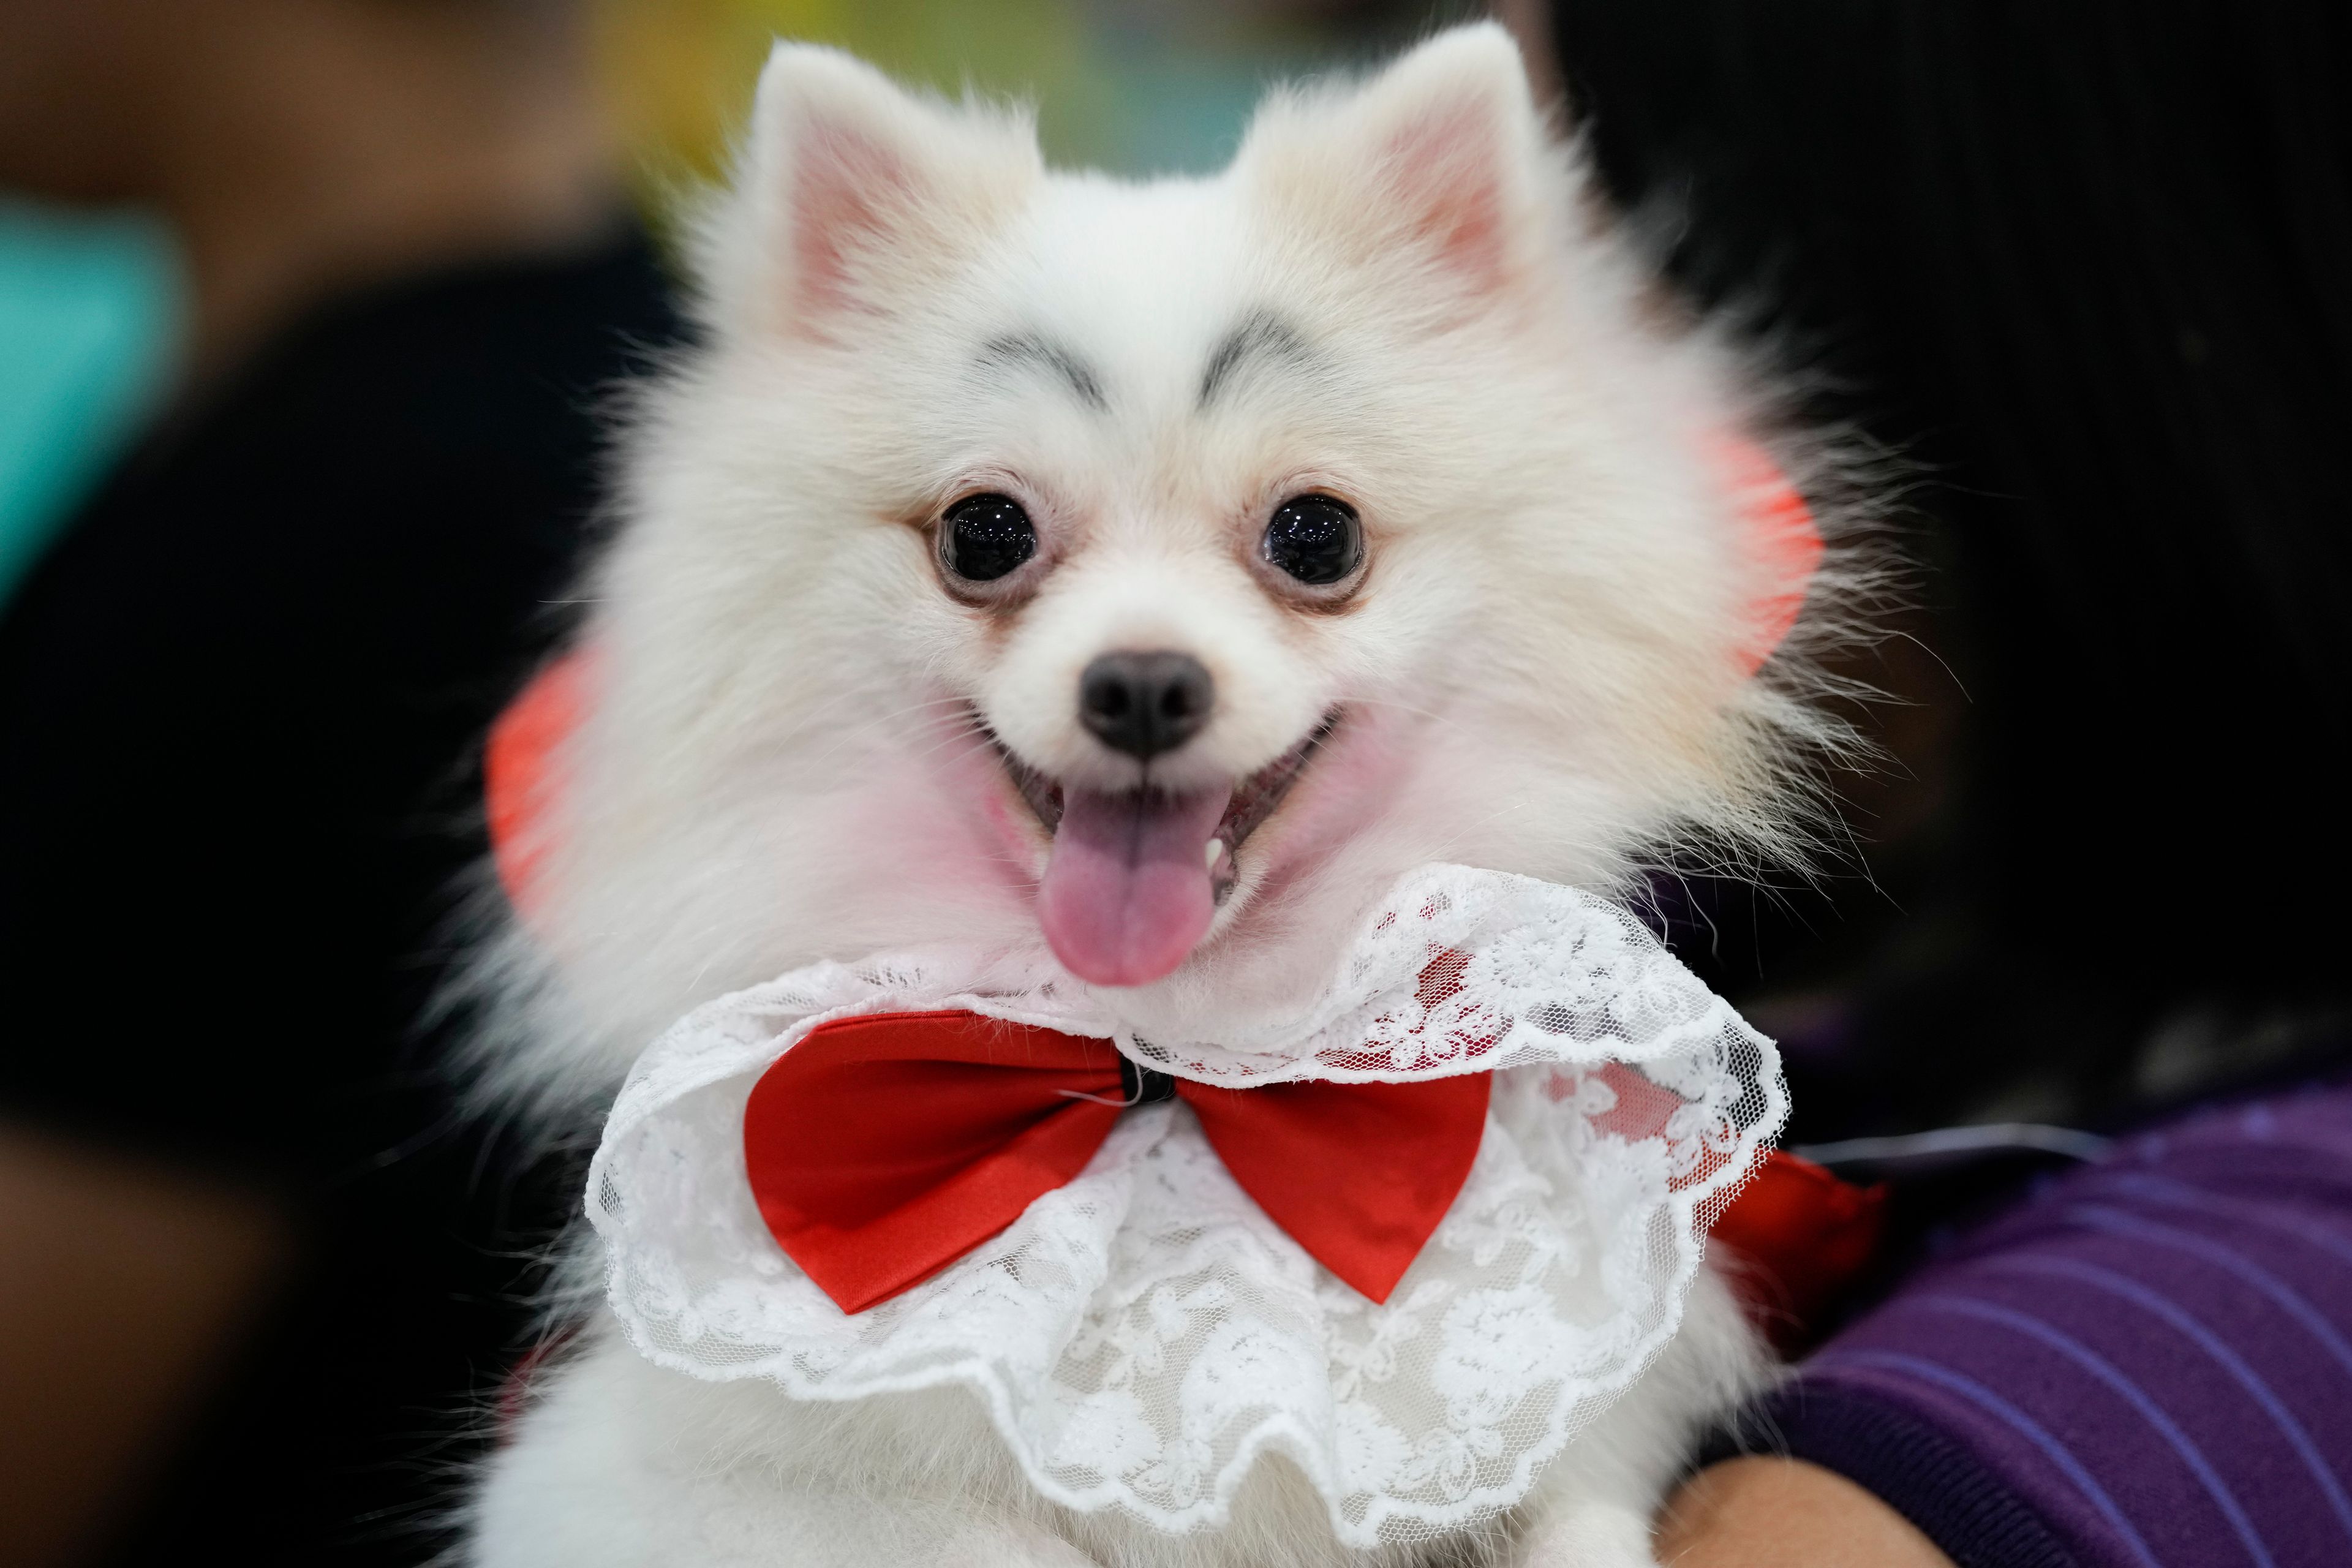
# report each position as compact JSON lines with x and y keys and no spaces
{"x":1134,"y":879}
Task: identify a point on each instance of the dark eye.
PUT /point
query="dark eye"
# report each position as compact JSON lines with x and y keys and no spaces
{"x":1316,"y":539}
{"x":986,"y":536}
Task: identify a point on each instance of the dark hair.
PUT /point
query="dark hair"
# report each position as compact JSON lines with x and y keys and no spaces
{"x":2088,"y":262}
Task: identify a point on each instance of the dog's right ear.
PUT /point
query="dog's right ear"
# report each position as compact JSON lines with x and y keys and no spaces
{"x":852,"y":195}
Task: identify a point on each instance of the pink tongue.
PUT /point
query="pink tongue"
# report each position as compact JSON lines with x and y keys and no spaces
{"x":1125,"y":893}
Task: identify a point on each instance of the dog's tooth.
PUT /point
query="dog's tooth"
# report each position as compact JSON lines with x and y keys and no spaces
{"x":1216,"y":848}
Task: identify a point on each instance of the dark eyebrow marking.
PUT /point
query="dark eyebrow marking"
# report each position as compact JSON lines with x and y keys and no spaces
{"x":1260,"y":332}
{"x":1031,"y":349}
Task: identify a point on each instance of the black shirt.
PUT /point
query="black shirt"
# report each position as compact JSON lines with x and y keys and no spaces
{"x":240,"y":704}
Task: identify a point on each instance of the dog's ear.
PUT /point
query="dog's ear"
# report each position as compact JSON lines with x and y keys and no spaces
{"x":1443,"y":157}
{"x":853,"y":194}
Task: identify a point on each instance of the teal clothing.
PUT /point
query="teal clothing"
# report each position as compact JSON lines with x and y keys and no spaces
{"x":91,"y":315}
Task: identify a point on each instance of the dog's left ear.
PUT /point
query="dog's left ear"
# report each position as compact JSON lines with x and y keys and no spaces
{"x":853,"y":197}
{"x":1441,"y":159}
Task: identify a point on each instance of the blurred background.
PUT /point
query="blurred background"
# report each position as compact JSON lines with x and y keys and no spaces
{"x":96,"y":299}
{"x":310,"y":312}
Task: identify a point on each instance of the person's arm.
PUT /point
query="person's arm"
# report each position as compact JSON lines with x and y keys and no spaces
{"x":2147,"y":1361}
{"x":1764,"y":1511}
{"x":124,"y":1286}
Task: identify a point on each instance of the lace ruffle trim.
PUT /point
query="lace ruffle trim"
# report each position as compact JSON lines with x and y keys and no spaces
{"x":1143,"y":1335}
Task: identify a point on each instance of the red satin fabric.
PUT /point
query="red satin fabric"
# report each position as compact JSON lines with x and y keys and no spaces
{"x":520,"y":775}
{"x":1358,"y":1175}
{"x":1800,"y":1236}
{"x":1782,"y":540}
{"x":882,"y":1148}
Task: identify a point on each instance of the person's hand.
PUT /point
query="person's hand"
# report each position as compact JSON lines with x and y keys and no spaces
{"x":1758,"y":1511}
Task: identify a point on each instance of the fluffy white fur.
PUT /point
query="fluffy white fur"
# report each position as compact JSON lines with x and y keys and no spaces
{"x":1540,"y":672}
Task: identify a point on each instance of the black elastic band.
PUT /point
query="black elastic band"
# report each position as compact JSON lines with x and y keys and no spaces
{"x":1138,"y":1085}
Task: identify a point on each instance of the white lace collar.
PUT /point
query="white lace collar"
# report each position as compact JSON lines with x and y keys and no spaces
{"x":1142,"y":1335}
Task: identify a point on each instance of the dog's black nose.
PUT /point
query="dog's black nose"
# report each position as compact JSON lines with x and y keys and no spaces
{"x":1145,"y":703}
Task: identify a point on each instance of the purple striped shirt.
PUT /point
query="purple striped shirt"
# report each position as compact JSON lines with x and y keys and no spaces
{"x":2147,"y":1363}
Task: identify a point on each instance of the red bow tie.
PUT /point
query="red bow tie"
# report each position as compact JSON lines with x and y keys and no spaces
{"x":882,"y":1148}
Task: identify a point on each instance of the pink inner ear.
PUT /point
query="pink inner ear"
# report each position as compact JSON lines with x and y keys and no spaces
{"x":846,"y":190}
{"x":1446,"y":166}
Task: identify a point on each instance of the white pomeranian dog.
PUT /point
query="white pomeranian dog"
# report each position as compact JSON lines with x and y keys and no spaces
{"x":1149,"y":576}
